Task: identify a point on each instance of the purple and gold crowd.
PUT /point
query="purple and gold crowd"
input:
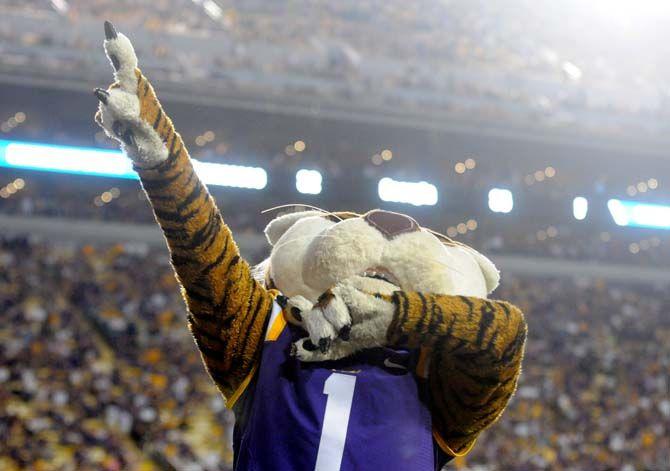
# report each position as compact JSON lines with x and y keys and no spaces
{"x":94,"y":374}
{"x":98,"y":371}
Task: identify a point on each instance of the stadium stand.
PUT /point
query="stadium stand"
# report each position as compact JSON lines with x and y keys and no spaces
{"x":541,"y":224}
{"x":563,"y":243}
{"x":470,"y":60}
{"x":103,"y":332}
{"x":87,"y":382}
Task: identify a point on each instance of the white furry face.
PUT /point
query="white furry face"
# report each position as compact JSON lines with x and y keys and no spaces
{"x":312,"y":253}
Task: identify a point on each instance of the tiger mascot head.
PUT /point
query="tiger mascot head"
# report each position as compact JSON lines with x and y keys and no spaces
{"x":313,"y":251}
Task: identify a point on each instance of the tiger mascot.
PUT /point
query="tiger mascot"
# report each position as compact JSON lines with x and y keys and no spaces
{"x":367,"y":341}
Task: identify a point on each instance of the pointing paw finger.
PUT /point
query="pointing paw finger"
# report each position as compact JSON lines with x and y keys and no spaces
{"x":305,"y":351}
{"x":102,"y":95}
{"x":296,"y":306}
{"x":318,"y":328}
{"x":337,"y":314}
{"x":121,"y":54}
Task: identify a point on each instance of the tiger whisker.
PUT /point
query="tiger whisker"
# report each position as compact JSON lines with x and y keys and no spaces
{"x":315,"y":208}
{"x":295,"y":239}
{"x":444,"y":265}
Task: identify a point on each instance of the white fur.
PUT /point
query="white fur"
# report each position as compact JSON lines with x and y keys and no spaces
{"x":150,"y":150}
{"x":289,"y":252}
{"x":341,"y":251}
{"x":368,"y":317}
{"x":315,"y":254}
{"x":123,"y":107}
{"x":279,"y":225}
{"x":491,"y":273}
{"x":312,"y":254}
{"x":122,"y":48}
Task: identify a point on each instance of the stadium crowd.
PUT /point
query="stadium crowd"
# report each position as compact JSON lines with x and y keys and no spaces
{"x":95,"y":351}
{"x":594,"y":391}
{"x":84,"y":387}
{"x":60,"y":390}
{"x":472,"y":60}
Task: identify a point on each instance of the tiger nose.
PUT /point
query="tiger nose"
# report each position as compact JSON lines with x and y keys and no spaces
{"x":389,"y":223}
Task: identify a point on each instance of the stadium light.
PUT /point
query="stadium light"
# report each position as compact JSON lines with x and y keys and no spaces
{"x":580,"y":208}
{"x":64,"y":159}
{"x":211,"y":8}
{"x":415,"y":193}
{"x":501,"y":200}
{"x":109,"y":163}
{"x":237,"y":176}
{"x":308,"y":181}
{"x":634,"y":214}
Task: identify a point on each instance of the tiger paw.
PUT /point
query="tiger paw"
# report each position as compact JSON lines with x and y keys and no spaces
{"x":126,"y":107}
{"x":345,"y":319}
{"x":305,"y":350}
{"x":312,"y":319}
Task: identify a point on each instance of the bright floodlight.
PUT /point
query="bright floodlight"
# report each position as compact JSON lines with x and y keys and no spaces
{"x":501,"y":200}
{"x":634,"y":214}
{"x":109,"y":163}
{"x":67,"y":159}
{"x":416,"y":193}
{"x":308,"y":181}
{"x":237,"y":176}
{"x":580,"y":207}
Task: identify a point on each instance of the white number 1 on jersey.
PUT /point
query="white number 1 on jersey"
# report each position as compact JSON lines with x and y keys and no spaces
{"x":340,"y":391}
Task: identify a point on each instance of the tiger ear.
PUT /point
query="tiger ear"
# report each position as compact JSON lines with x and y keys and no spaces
{"x":489,"y":270}
{"x":279,"y":225}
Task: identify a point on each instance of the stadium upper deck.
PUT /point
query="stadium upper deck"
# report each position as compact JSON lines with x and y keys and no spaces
{"x":566,"y":67}
{"x":543,"y":178}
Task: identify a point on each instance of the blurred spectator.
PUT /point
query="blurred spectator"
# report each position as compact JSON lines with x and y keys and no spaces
{"x":97,"y":346}
{"x":470,"y":59}
{"x":86,"y":388}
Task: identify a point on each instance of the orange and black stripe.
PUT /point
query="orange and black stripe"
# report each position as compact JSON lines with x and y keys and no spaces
{"x":476,"y":350}
{"x":227,"y":307}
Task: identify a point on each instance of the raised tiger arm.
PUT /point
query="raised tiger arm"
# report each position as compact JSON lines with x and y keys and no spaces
{"x":227,"y":307}
{"x":471,"y":348}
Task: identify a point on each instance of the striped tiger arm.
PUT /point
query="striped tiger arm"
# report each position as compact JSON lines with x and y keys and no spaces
{"x":227,"y":308}
{"x":475,"y":348}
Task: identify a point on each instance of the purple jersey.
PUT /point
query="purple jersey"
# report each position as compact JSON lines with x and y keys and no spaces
{"x":353,"y":414}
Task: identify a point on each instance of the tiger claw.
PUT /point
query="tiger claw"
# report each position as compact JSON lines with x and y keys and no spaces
{"x":129,"y":138}
{"x":296,"y":313}
{"x":309,"y":346}
{"x":281,"y":300}
{"x":101,"y":94}
{"x":345,"y":332}
{"x":110,"y":31}
{"x":324,"y":344}
{"x":117,"y":128}
{"x":115,"y":61}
